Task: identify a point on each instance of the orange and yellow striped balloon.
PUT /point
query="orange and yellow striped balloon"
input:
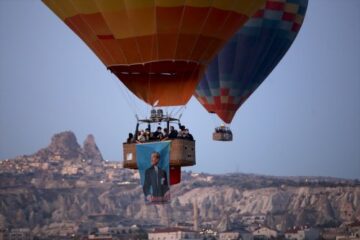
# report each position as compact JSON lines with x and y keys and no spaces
{"x":157,"y":48}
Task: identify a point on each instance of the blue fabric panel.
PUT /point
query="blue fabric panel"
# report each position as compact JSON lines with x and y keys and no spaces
{"x":143,"y":157}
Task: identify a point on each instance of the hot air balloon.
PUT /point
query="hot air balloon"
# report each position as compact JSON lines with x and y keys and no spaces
{"x":157,"y":48}
{"x":248,"y":58}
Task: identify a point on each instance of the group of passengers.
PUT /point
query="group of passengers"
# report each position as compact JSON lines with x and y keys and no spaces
{"x":223,"y":129}
{"x":160,"y":135}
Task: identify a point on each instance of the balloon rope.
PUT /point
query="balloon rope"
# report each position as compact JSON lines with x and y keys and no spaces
{"x":180,"y":110}
{"x":128,"y":98}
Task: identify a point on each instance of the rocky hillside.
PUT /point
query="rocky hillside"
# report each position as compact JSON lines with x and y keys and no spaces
{"x":48,"y":199}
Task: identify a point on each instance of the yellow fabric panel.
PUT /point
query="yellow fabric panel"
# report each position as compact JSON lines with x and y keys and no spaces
{"x":82,"y":6}
{"x":199,"y":3}
{"x":118,"y":23}
{"x":61,"y":11}
{"x":111,"y":6}
{"x":167,"y":3}
{"x":69,"y":8}
{"x":128,"y":18}
{"x":55,"y":8}
{"x":226,"y":5}
{"x":248,"y":8}
{"x":142,"y":21}
{"x":299,"y":19}
{"x":291,"y":8}
{"x":131,"y":4}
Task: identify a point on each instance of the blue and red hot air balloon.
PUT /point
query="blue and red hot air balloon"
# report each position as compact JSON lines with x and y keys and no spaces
{"x":250,"y":56}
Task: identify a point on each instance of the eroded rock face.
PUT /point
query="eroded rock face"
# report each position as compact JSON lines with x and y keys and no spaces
{"x":91,"y":151}
{"x":82,"y":191}
{"x":281,"y":208}
{"x":63,"y":146}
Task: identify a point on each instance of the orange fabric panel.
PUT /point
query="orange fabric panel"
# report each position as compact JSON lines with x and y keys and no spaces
{"x":130,"y":49}
{"x":172,"y":83}
{"x":168,"y":20}
{"x":185,"y":45}
{"x":213,"y":25}
{"x":114,"y":49}
{"x":148,"y":47}
{"x":96,"y":23}
{"x":166,"y":46}
{"x":193,"y":20}
{"x":79,"y":26}
{"x":203,"y":47}
{"x":232,"y":24}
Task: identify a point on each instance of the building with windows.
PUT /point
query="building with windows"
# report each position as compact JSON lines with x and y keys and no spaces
{"x":174,"y":233}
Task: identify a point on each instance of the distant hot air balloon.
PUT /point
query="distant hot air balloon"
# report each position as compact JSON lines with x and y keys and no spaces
{"x":249,"y":57}
{"x":157,"y":48}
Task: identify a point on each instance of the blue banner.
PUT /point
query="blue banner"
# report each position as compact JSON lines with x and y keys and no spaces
{"x":153,"y":160}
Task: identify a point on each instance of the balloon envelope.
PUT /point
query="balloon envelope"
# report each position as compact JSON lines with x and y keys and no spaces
{"x":249,"y":57}
{"x":157,"y":48}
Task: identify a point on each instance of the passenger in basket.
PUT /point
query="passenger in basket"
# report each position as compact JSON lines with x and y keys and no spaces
{"x":158,"y":135}
{"x":173,"y":133}
{"x":141,"y":137}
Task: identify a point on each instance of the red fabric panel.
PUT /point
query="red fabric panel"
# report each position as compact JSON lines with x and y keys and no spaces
{"x":175,"y":175}
{"x":274,"y":5}
{"x":224,"y":91}
{"x":105,"y":36}
{"x":288,"y":16}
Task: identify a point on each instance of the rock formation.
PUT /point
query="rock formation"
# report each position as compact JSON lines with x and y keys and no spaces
{"x":91,"y":192}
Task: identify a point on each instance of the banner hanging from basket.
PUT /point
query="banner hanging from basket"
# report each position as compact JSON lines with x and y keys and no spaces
{"x":153,"y":164}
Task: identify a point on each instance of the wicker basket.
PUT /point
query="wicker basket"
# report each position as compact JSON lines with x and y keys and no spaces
{"x":182,"y":153}
{"x":217,"y":136}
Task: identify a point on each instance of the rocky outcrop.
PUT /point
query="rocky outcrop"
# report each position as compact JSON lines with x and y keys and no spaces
{"x":86,"y":192}
{"x":218,"y":205}
{"x":64,"y":145}
{"x":91,"y":150}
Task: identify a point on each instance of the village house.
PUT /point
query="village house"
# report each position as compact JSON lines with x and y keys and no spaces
{"x":174,"y":233}
{"x":264,"y":233}
{"x":302,"y":233}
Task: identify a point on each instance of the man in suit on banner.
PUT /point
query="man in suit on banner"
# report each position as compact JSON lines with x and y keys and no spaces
{"x":156,"y":187}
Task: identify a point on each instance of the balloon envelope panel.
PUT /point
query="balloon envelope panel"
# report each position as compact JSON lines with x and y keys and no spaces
{"x":250,"y":56}
{"x":158,"y":48}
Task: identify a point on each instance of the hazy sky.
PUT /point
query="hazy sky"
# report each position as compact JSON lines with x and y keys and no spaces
{"x":303,"y":120}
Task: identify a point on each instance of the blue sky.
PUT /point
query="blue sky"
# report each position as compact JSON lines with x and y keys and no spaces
{"x":303,"y":120}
